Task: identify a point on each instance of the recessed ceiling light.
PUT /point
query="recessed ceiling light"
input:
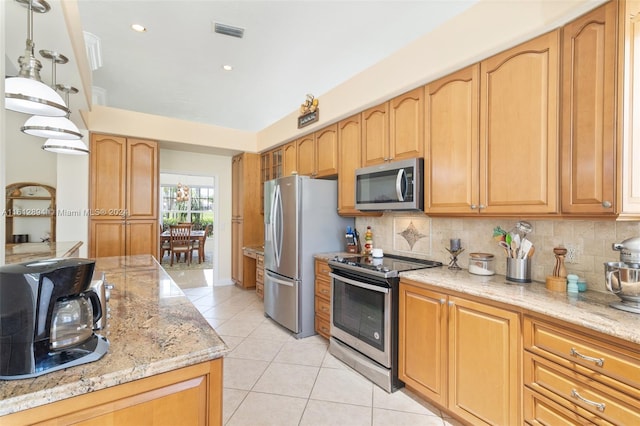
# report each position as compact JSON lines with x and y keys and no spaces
{"x":139,"y":28}
{"x":227,"y":67}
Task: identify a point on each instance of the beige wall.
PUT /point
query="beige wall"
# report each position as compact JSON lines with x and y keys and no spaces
{"x":486,"y":28}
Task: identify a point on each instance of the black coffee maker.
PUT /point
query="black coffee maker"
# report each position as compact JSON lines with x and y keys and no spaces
{"x":48,"y":312}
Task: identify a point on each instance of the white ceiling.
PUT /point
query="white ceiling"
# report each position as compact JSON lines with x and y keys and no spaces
{"x":289,"y":49}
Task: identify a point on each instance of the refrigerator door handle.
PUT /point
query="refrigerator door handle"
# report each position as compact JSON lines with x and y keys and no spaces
{"x":276,"y":223}
{"x":278,"y":280}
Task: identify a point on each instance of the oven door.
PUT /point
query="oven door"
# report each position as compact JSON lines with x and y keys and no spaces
{"x":361,"y":316}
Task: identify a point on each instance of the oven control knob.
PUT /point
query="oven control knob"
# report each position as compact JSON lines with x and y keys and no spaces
{"x":385,"y":269}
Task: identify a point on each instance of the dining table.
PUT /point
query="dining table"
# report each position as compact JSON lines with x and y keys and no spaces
{"x":196,"y":235}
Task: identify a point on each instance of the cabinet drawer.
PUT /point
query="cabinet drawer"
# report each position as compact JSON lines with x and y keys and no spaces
{"x":540,"y":410}
{"x":322,"y":268}
{"x":260,"y":261}
{"x":323,"y":287}
{"x":573,"y":391}
{"x":616,"y":366}
{"x":323,"y":307}
{"x":322,"y":327}
{"x":260,"y":275}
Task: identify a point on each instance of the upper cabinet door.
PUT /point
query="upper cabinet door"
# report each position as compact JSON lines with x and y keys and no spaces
{"x":142,"y":179}
{"x":327,"y":151}
{"x":588,"y":108}
{"x":406,"y":125}
{"x":289,"y":158}
{"x":519,"y":128}
{"x":306,"y":152}
{"x":349,"y":159}
{"x":451,"y":143}
{"x":375,"y":135}
{"x":108,"y":177}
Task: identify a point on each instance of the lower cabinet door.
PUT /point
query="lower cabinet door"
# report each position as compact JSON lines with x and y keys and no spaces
{"x":484,"y":363}
{"x":423,"y":342}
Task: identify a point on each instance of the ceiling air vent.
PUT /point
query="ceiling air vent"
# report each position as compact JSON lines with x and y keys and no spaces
{"x":228,"y":30}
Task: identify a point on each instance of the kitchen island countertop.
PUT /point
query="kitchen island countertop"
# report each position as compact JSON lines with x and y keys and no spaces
{"x":24,"y":252}
{"x":154,"y":328}
{"x":589,"y":309}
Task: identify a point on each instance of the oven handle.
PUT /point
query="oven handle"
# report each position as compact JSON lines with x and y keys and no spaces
{"x":360,"y":284}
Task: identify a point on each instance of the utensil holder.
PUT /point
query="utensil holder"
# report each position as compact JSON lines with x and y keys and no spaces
{"x":519,"y":270}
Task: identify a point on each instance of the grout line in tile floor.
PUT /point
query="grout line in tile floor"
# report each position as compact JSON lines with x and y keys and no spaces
{"x":271,"y":378}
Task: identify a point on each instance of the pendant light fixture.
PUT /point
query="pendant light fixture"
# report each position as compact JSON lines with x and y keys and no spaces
{"x":52,"y":127}
{"x":26,"y":92}
{"x":66,"y":146}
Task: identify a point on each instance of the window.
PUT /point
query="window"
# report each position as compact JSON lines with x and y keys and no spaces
{"x":196,"y":207}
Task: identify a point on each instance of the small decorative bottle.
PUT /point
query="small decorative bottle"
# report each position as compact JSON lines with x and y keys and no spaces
{"x":572,"y":286}
{"x":368,"y":241}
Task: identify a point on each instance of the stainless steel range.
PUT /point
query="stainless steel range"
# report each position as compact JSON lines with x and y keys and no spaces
{"x":364,"y":314}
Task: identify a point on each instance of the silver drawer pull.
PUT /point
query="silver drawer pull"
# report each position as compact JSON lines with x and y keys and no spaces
{"x":599,"y":361}
{"x":599,"y":405}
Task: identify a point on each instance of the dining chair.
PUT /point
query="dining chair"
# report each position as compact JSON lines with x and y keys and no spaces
{"x":180,"y":242}
{"x":198,"y":244}
{"x":165,"y":245}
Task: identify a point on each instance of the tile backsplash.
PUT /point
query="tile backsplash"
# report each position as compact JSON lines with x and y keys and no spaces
{"x":588,"y":242}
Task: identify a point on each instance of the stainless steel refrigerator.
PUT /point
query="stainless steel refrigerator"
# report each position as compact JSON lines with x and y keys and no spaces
{"x":301,"y":219}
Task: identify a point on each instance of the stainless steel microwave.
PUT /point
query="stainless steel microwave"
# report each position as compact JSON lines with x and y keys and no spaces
{"x":391,"y":186}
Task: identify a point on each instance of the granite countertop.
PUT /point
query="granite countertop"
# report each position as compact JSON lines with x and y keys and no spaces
{"x":153,"y":328}
{"x":23,"y":252}
{"x":254,"y":249}
{"x":589,"y":309}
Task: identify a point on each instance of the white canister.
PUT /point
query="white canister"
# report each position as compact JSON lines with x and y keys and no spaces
{"x":481,"y":264}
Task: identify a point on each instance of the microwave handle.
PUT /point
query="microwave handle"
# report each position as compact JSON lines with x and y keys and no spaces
{"x":402,"y":177}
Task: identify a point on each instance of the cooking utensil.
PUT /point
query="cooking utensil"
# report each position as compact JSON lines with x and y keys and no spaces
{"x":525,"y":247}
{"x":506,"y":247}
{"x":531,"y":251}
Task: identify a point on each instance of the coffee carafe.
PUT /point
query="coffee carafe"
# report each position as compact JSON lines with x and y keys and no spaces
{"x":48,"y":312}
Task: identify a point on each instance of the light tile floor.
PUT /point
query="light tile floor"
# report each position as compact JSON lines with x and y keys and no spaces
{"x":271,"y":378}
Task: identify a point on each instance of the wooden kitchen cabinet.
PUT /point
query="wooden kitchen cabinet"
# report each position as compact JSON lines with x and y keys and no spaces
{"x":186,"y":396}
{"x":375,"y":135}
{"x":326,"y":151}
{"x":123,"y":196}
{"x":323,"y":298}
{"x":406,"y":125}
{"x":318,"y":153}
{"x":519,"y":128}
{"x":452,"y":176}
{"x":456,"y":352}
{"x":290,"y":158}
{"x":349,"y":159}
{"x":578,"y":374}
{"x":270,"y":168}
{"x":247,"y":228}
{"x":394,"y":130}
{"x":306,"y":155}
{"x":589,"y":84}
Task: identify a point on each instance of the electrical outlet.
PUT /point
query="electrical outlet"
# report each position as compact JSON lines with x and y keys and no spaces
{"x":572,"y":254}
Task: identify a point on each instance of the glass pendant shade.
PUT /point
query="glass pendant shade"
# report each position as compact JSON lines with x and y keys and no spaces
{"x":30,"y":96}
{"x":26,"y":93}
{"x":63,"y":146}
{"x":51,"y":127}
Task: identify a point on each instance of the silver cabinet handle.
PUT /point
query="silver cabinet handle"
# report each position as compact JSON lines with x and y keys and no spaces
{"x":451,"y":303}
{"x":599,"y":405}
{"x":473,"y":206}
{"x":442,"y":301}
{"x":598,"y":361}
{"x":482,"y":206}
{"x":607,"y":204}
